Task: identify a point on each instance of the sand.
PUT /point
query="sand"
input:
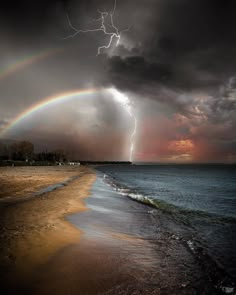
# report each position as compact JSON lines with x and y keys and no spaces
{"x":32,"y":230}
{"x":102,"y":250}
{"x":21,"y":181}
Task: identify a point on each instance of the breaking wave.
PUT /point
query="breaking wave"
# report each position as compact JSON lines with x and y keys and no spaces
{"x":224,"y":283}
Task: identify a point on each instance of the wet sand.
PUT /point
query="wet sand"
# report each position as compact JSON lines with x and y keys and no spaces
{"x":123,"y":249}
{"x":109,"y":245}
{"x":33,"y":229}
{"x":22,"y":181}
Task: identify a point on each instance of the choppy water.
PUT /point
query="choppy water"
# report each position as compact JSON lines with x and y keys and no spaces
{"x":199,"y":199}
{"x":126,"y":248}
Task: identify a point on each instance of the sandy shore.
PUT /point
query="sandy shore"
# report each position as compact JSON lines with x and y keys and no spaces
{"x":124,"y":249}
{"x":33,"y":230}
{"x":21,"y":181}
{"x":60,"y":243}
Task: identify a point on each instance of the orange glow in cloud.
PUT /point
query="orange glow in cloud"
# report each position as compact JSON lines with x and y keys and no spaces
{"x":164,"y":139}
{"x":181,"y":146}
{"x":180,"y":150}
{"x":169,"y":151}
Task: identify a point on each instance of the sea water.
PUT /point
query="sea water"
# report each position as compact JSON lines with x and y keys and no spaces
{"x":199,"y":199}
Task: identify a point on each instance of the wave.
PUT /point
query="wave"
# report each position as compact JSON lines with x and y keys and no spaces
{"x":223,"y":281}
{"x":163,"y":205}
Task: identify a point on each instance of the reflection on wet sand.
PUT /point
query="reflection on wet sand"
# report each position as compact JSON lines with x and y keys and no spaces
{"x":122,"y":251}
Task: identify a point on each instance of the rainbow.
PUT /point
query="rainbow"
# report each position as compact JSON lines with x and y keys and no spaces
{"x":26,"y":61}
{"x":49,"y":101}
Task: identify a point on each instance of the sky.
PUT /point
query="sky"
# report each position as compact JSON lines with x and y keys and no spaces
{"x":175,"y":61}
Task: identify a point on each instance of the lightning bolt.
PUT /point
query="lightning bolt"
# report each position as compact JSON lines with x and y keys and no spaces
{"x":114,"y":32}
{"x":107,"y":20}
{"x":127,"y":105}
{"x":132,"y":140}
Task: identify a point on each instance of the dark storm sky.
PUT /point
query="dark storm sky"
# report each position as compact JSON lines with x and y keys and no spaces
{"x":177,"y":63}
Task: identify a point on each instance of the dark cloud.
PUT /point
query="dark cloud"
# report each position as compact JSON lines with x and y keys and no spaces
{"x":192,"y":40}
{"x":134,"y":72}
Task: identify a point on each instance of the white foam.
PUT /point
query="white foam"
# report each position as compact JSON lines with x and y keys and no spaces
{"x":191,"y":245}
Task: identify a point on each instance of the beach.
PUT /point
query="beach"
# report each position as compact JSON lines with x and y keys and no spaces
{"x":32,"y":225}
{"x":82,"y":236}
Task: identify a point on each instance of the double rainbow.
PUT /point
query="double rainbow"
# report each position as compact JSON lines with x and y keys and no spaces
{"x":26,"y":61}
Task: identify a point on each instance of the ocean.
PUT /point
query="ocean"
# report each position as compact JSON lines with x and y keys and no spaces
{"x":160,"y":229}
{"x":199,"y":200}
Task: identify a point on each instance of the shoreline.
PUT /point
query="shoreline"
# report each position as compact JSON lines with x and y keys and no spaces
{"x":26,"y":180}
{"x":32,"y":230}
{"x":124,"y":249}
{"x":65,"y":243}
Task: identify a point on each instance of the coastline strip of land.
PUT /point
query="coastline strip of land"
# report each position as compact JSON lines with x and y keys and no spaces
{"x":32,"y":230}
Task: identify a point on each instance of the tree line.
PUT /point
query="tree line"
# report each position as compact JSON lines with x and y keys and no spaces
{"x":24,"y":151}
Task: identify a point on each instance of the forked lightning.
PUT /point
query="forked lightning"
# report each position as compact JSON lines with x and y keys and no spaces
{"x":114,"y":32}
